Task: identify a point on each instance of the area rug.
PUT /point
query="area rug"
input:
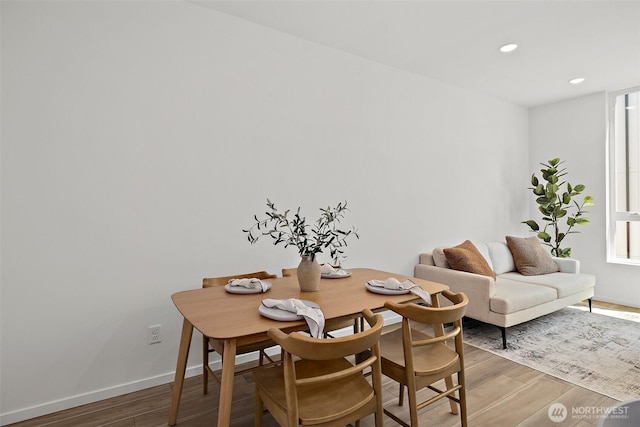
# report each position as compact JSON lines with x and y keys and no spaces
{"x":599,"y":351}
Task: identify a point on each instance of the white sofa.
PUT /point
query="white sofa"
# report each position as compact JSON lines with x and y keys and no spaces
{"x":511,"y":298}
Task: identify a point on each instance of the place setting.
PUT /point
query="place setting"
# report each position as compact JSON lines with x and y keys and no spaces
{"x":328,"y":271}
{"x":247,"y":286}
{"x":393,"y":286}
{"x":292,"y":309}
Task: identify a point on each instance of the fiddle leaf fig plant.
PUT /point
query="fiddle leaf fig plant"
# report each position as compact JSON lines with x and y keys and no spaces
{"x":294,"y":230}
{"x":555,"y":205}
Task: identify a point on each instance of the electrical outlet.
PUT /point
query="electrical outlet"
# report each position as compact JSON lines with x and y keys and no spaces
{"x":153,"y":334}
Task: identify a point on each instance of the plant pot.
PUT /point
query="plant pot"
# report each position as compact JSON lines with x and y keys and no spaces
{"x":308,"y":275}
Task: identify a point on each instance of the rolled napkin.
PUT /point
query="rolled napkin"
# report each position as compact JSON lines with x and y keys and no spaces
{"x":251,"y":283}
{"x":329,"y":269}
{"x":313,"y":316}
{"x":395,"y":284}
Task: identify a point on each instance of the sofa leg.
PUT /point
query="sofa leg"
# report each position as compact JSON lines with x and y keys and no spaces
{"x":590,"y":305}
{"x":504,"y":337}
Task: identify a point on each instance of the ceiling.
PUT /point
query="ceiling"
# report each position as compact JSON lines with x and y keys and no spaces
{"x":456,"y":41}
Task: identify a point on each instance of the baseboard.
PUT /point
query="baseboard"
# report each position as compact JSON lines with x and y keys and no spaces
{"x":119,"y":390}
{"x":614,"y":301}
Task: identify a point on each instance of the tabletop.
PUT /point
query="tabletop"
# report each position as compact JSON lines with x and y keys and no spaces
{"x":222,"y":315}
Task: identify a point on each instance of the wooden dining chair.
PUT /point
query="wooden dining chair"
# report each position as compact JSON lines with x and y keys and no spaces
{"x":331,"y":325}
{"x":417,"y":360}
{"x":210,"y":345}
{"x":318,"y":384}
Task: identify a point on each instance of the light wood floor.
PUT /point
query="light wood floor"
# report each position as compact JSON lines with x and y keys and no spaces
{"x":500,"y":393}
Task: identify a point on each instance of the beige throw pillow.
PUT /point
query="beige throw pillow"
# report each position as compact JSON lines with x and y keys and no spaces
{"x":530,"y":257}
{"x":466,"y":257}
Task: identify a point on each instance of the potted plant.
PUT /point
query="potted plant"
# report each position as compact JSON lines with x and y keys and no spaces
{"x":310,"y":240}
{"x":554,"y":204}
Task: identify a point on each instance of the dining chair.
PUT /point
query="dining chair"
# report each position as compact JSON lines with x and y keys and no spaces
{"x":417,"y":360}
{"x":331,"y":325}
{"x":210,"y":345}
{"x":318,"y":384}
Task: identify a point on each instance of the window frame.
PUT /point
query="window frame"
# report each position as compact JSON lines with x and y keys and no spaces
{"x":613,"y":214}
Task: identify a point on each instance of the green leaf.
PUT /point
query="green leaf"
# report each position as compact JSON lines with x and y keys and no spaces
{"x":571,"y":221}
{"x":579,"y":188}
{"x":588,"y":201}
{"x":582,"y":221}
{"x":544,"y":236}
{"x":561,"y":213}
{"x":534,"y":225}
{"x":534,"y":180}
{"x":566,"y":198}
{"x":539,"y":190}
{"x":564,"y":253}
{"x":554,"y":162}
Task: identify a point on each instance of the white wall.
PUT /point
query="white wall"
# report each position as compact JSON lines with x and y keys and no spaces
{"x":575,"y":131}
{"x":139,"y":138}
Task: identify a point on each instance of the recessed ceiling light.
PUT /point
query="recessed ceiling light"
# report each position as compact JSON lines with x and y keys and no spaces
{"x":576,"y":81}
{"x":508,"y":48}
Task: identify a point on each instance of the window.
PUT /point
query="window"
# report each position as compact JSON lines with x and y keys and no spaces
{"x":624,"y":177}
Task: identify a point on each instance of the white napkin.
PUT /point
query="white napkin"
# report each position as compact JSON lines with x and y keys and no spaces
{"x":395,"y":284}
{"x":313,"y":316}
{"x":329,"y":269}
{"x":251,"y":283}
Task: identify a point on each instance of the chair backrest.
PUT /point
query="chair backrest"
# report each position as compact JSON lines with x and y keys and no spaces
{"x":286,"y":272}
{"x":208,"y":282}
{"x":437,"y":316}
{"x":318,"y":371}
{"x":310,"y":348}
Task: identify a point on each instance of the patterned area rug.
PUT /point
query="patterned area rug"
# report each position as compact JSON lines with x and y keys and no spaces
{"x":599,"y":351}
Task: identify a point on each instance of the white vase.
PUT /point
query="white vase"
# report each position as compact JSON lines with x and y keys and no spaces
{"x":308,"y":275}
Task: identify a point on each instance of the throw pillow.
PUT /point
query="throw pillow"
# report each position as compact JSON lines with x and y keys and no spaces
{"x":530,"y":257}
{"x":501,"y":257}
{"x":439,"y":259}
{"x":466,"y":257}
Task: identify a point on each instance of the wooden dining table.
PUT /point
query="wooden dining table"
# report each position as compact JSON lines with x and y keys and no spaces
{"x":235,"y":319}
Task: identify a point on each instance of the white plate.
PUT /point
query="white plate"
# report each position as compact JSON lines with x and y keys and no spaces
{"x":385,"y":291}
{"x":335,"y":275}
{"x":243,"y":290}
{"x":283,"y":315}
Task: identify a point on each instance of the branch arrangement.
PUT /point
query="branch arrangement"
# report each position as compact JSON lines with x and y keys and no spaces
{"x":310,"y":240}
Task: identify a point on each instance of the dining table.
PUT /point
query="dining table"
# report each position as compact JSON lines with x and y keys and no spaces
{"x":235,"y":317}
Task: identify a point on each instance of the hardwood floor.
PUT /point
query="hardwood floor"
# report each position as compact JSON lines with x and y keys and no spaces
{"x":500,"y":393}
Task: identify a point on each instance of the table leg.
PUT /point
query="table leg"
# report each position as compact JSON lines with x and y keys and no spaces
{"x":181,"y":367}
{"x":226,"y":385}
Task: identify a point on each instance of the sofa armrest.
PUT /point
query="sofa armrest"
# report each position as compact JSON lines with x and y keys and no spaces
{"x":426,"y":258}
{"x":568,"y":265}
{"x":478,"y":288}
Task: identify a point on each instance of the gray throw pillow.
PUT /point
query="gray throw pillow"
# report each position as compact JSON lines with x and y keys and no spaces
{"x":530,"y":257}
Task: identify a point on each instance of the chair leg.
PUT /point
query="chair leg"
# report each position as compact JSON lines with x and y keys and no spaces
{"x":590,"y":305}
{"x":462,"y":394}
{"x":258,"y":409}
{"x":400,"y":394}
{"x":452,"y":404}
{"x":413,"y":404}
{"x":205,"y":363}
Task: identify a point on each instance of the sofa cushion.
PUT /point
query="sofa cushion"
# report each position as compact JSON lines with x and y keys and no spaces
{"x":511,"y":296}
{"x":565,"y":284}
{"x":530,"y":257}
{"x":439,"y":259}
{"x":466,"y":257}
{"x":501,"y":257}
